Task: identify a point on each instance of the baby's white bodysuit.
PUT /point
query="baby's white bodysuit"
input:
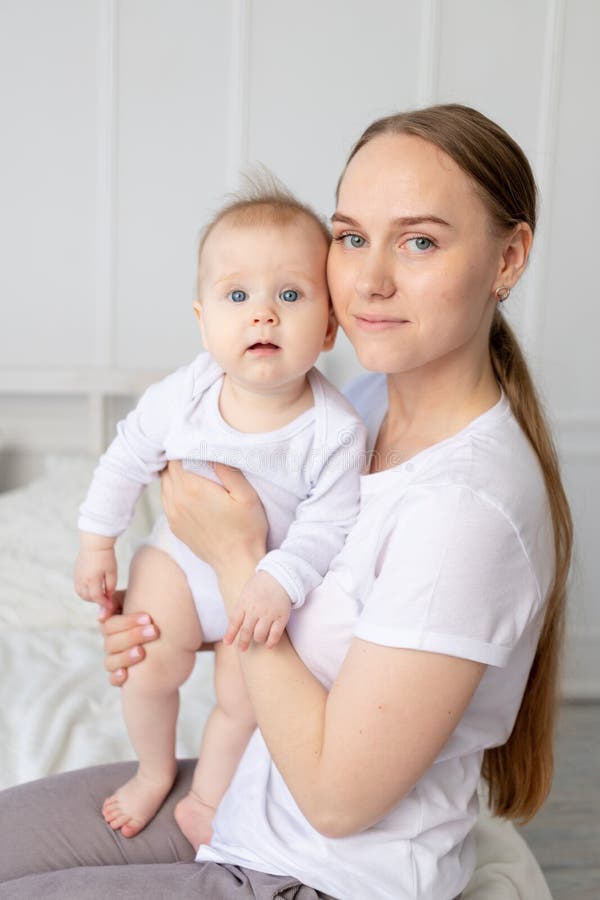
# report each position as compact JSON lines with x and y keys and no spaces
{"x":306,"y":473}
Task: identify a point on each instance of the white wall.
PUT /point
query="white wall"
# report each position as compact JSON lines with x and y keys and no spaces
{"x":124,"y":121}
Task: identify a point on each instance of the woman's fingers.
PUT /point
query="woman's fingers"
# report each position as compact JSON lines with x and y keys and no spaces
{"x":120,"y":641}
{"x":221,"y":525}
{"x":125,"y":658}
{"x":177,"y":482}
{"x":233,"y":481}
{"x":125,"y":622}
{"x":118,"y":678}
{"x":124,"y":636}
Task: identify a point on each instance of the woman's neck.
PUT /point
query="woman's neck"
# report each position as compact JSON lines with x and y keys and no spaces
{"x":423,"y":412}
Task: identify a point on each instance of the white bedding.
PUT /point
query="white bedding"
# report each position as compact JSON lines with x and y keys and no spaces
{"x":57,"y":711}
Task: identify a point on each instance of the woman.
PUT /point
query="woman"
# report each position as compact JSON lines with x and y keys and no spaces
{"x":438,"y":627}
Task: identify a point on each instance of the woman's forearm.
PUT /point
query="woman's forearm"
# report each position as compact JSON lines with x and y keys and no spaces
{"x":322,"y":756}
{"x":289,"y":704}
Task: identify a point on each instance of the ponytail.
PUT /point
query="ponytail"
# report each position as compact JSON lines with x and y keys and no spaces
{"x":519,"y":773}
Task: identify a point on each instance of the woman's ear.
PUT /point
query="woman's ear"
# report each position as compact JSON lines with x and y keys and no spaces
{"x":515,"y":253}
{"x":332,"y":327}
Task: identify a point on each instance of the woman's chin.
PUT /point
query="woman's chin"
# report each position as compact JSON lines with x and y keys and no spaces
{"x":377,"y":362}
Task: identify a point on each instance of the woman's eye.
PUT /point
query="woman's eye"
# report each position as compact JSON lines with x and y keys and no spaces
{"x":352,"y":240}
{"x":421,"y":243}
{"x":238,"y":296}
{"x":289,"y":296}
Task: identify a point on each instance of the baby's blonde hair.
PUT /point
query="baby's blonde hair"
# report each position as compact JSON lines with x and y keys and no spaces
{"x":263,"y":200}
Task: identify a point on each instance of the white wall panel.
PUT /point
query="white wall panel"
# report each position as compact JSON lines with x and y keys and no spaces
{"x":318,"y":74}
{"x":48,"y":72}
{"x":491,"y":57}
{"x":173,"y":82}
{"x":570,"y":323}
{"x":571,"y":300}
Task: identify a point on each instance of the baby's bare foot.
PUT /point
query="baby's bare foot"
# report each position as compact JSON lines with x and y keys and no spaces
{"x":136,"y":802}
{"x":194,"y":818}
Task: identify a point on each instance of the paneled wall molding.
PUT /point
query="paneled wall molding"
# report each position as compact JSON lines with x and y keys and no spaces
{"x":51,"y":396}
{"x":109,"y":381}
{"x":106,"y":184}
{"x":429,"y":53}
{"x":547,"y":131}
{"x":239,"y":91}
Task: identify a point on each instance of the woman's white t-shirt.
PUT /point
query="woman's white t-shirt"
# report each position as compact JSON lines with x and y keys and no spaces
{"x":452,"y":553}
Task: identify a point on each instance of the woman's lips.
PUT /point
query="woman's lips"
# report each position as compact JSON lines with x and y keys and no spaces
{"x":375,"y":323}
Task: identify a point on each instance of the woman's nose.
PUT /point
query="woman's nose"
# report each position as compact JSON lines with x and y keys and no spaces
{"x":375,"y":278}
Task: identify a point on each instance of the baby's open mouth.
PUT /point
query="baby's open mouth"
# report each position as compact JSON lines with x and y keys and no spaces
{"x":259,"y":345}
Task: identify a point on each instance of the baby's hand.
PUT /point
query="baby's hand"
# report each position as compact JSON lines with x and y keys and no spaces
{"x":96,"y":571}
{"x":261,"y":613}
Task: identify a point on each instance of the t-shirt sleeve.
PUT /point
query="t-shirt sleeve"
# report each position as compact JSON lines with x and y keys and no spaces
{"x":452,"y":577}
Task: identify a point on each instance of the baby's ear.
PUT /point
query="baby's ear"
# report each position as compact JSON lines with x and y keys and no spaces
{"x":197,"y":307}
{"x":332,"y":327}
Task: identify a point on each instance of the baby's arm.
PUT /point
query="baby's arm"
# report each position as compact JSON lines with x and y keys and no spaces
{"x":96,"y":570}
{"x":132,"y":460}
{"x":135,"y":457}
{"x":323,"y":519}
{"x":261,"y":613}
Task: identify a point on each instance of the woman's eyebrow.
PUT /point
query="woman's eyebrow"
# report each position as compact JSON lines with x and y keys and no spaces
{"x":340,"y":217}
{"x":401,"y":220}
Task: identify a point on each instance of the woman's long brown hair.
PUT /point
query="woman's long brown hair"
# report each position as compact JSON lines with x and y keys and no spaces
{"x":519,"y":773}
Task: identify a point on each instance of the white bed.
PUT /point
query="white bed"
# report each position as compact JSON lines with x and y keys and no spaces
{"x":57,"y":711}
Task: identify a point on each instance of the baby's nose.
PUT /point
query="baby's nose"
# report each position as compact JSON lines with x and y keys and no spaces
{"x":264,"y":316}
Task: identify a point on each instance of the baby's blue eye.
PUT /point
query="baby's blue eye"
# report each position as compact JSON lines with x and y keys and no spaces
{"x":289,"y":296}
{"x":238,"y":296}
{"x":353,"y":240}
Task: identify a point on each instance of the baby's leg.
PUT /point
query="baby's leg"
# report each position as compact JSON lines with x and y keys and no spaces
{"x":151,"y":694}
{"x":227,"y":732}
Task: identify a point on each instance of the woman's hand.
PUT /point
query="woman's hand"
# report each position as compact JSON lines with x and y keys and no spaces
{"x":124,"y":637}
{"x":224,"y":524}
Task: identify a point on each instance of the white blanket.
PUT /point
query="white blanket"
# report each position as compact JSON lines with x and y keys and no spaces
{"x":57,"y":711}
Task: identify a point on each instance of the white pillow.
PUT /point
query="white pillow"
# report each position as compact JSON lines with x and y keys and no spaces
{"x":38,"y":546}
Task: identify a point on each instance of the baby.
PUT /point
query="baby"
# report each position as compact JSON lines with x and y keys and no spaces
{"x":253,"y":401}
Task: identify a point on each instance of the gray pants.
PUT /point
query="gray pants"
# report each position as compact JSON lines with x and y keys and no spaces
{"x":54,"y":845}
